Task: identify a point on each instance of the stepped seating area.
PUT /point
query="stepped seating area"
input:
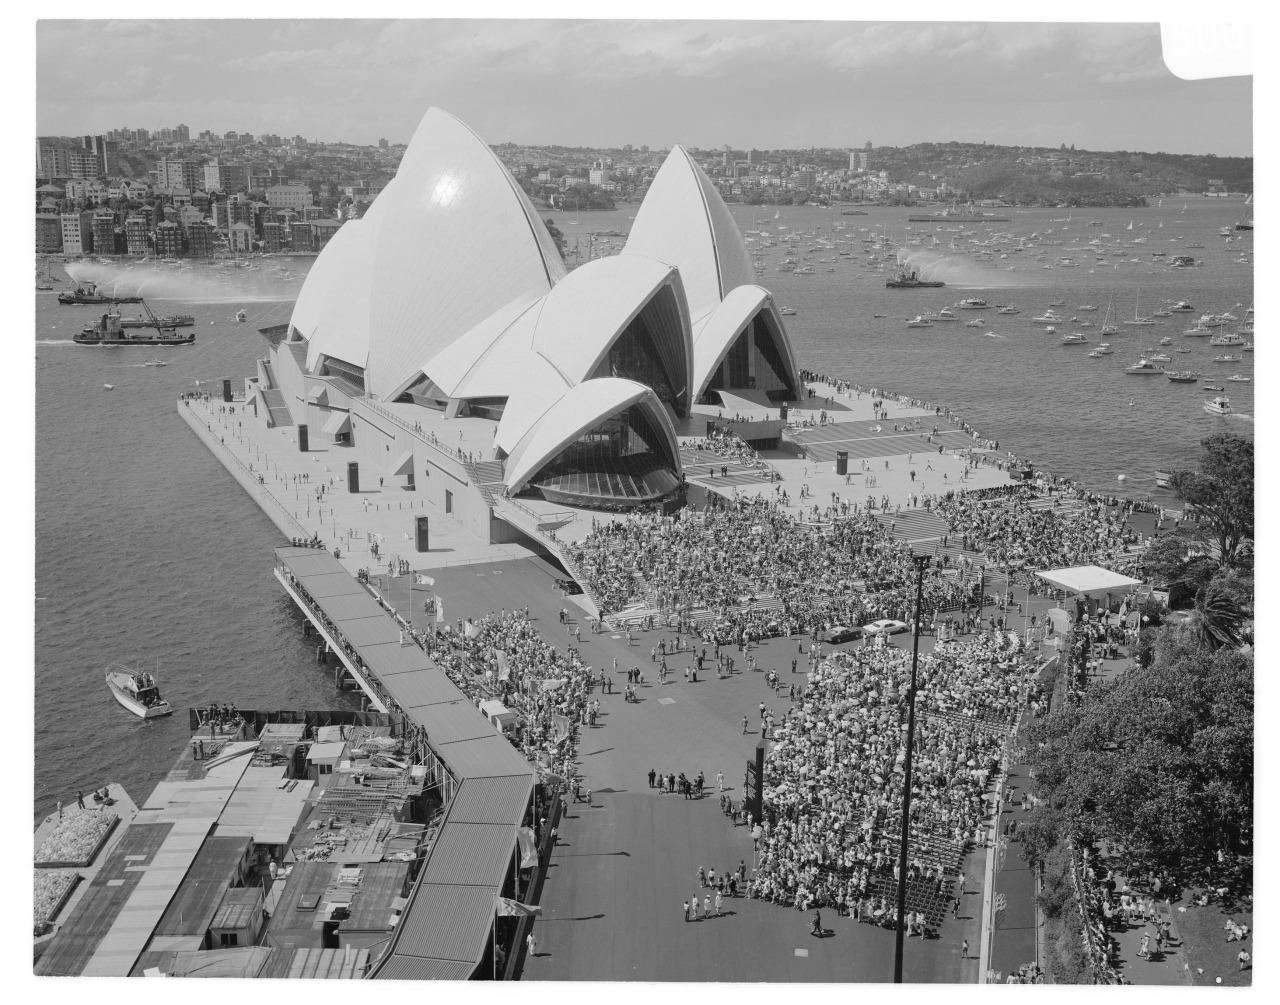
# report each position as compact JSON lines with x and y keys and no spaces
{"x":698,"y":466}
{"x":610,"y":482}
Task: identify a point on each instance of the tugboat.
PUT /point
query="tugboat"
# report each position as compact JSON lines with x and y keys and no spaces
{"x":911,"y":281}
{"x":137,"y":691}
{"x":88,"y":294}
{"x":108,"y":331}
{"x":151,"y":321}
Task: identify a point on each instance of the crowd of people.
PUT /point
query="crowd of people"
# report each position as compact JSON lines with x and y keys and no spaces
{"x":738,"y":550}
{"x":726,"y":445}
{"x":833,"y":778}
{"x":1010,"y":532}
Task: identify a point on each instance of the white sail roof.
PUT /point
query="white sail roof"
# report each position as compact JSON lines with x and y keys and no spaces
{"x":325,"y":272}
{"x":459,"y":240}
{"x":683,"y":221}
{"x":577,"y":410}
{"x":714,"y":337}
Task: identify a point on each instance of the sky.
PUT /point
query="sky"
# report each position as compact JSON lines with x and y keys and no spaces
{"x":764,"y":84}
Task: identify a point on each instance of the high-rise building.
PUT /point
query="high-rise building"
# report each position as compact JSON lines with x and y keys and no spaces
{"x":226,"y":176}
{"x":48,"y":233}
{"x":135,"y":237}
{"x":82,"y":164}
{"x":200,"y":239}
{"x":168,"y":240}
{"x":300,"y":236}
{"x":272,"y":238}
{"x":182,"y":133}
{"x":179,"y":173}
{"x":55,"y":162}
{"x":104,"y":233}
{"x":77,"y":233}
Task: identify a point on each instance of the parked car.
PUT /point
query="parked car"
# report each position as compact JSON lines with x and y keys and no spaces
{"x":840,"y":633}
{"x":887,"y":626}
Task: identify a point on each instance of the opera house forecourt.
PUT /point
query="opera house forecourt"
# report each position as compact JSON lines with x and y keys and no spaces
{"x":441,"y":340}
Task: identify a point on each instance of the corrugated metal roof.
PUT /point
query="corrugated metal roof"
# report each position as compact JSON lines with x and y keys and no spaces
{"x":311,"y":878}
{"x":196,"y":900}
{"x":237,"y":907}
{"x":488,"y":757}
{"x":391,"y":658}
{"x":449,"y":922}
{"x":426,"y":687}
{"x":372,"y":630}
{"x":380,"y":884}
{"x":471,"y":855}
{"x":450,"y":721}
{"x":492,"y":800}
{"x":335,"y":584}
{"x":333,"y":964}
{"x":419,"y":968}
{"x":348,"y":607}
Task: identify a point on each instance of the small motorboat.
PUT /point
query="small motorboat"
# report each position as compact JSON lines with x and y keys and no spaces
{"x":975,"y":323}
{"x":1049,"y":317}
{"x":1183,"y":376}
{"x":1006,"y":309}
{"x":1167,"y":340}
{"x":1211,"y":386}
{"x":873,"y":315}
{"x":919,"y":321}
{"x":1240,"y":379}
{"x":1228,"y":358}
{"x":1158,"y":358}
{"x":1182,"y":307}
{"x":1182,"y":349}
{"x":156,"y":362}
{"x":946,"y":314}
{"x":1057,"y":303}
{"x":1086,"y":307}
{"x":1219,"y":405}
{"x":108,"y":387}
{"x":242,"y":316}
{"x":1102,"y":350}
{"x":137,"y":691}
{"x":971,"y":304}
{"x":1075,"y":338}
{"x":1247,"y":347}
{"x":1144,"y":367}
{"x":1162,"y":479}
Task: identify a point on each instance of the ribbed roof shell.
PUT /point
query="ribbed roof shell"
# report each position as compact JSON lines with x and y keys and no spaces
{"x":460,"y":239}
{"x":683,"y":221}
{"x":325,"y":274}
{"x":578,"y":409}
{"x":715,"y":336}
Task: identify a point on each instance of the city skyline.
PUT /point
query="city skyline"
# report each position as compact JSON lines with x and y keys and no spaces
{"x":656,"y":83}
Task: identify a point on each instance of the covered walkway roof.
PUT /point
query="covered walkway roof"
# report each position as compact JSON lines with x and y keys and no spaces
{"x":445,"y":928}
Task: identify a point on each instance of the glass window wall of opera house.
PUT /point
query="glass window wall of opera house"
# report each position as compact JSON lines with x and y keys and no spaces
{"x":449,"y":303}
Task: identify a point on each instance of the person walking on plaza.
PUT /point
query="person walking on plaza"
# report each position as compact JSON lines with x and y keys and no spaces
{"x":685,"y":910}
{"x":960,"y":885}
{"x":719,"y":782}
{"x":651,"y":777}
{"x":706,"y":906}
{"x":533,"y":945}
{"x":80,"y":799}
{"x":964,"y":949}
{"x":719,"y":902}
{"x":744,"y":725}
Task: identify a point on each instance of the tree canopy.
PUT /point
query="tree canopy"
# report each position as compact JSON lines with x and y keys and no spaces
{"x":1159,"y":761}
{"x":1221,"y":492}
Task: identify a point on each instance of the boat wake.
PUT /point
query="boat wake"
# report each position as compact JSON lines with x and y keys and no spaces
{"x":55,"y":341}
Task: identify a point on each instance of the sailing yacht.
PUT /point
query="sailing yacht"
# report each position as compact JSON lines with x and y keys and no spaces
{"x":1137,"y":319}
{"x":1108,"y":326}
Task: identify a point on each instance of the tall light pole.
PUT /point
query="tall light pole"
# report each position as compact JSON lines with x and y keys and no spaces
{"x":921,"y":561}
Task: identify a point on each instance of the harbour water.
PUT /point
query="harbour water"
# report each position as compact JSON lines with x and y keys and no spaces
{"x":147,"y":552}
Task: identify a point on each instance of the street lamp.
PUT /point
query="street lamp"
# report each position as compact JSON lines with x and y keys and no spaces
{"x":921,"y":561}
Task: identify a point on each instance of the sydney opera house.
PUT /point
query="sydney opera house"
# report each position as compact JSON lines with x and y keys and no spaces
{"x":443,"y":341}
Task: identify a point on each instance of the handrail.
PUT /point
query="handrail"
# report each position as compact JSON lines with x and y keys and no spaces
{"x":367,"y":399}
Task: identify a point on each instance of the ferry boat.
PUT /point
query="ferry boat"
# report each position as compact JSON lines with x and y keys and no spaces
{"x":88,"y":294}
{"x":1144,"y":367}
{"x":1219,"y":405}
{"x":137,"y":691}
{"x":911,"y":281}
{"x":1075,"y":338}
{"x":1228,"y":339}
{"x":919,"y":321}
{"x":1183,"y":376}
{"x":108,"y":331}
{"x":1240,"y":378}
